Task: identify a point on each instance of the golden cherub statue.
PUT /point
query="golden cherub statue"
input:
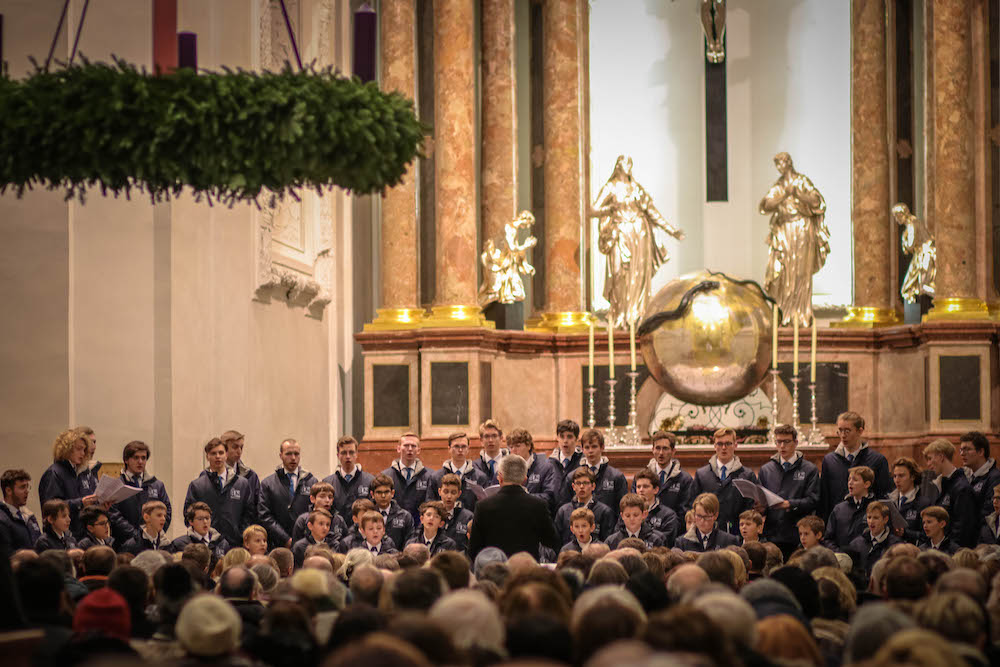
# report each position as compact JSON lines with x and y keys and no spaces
{"x":798,"y":242}
{"x":918,"y":242}
{"x":504,"y":259}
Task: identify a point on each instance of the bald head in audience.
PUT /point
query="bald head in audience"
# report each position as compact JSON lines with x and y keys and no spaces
{"x":685,"y":579}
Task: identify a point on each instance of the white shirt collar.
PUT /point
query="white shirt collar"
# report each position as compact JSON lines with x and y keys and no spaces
{"x":377,"y":547}
{"x":881,"y":537}
{"x":936,"y":545}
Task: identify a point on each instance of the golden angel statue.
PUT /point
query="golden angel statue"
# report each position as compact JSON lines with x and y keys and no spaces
{"x":918,"y":242}
{"x":504,"y":259}
{"x":627,"y":221}
{"x":798,"y":242}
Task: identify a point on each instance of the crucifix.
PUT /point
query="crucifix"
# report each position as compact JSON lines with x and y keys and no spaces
{"x":713,"y":23}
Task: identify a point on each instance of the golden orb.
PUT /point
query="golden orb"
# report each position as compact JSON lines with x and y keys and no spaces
{"x":716,"y":349}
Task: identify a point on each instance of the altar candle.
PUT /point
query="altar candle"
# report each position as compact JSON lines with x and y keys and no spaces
{"x":590,"y":355}
{"x":774,"y":336}
{"x":795,"y":345}
{"x":631,"y":343}
{"x":611,"y":349}
{"x":812,"y":356}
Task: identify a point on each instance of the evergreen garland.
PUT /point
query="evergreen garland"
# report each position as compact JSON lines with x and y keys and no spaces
{"x":225,"y":135}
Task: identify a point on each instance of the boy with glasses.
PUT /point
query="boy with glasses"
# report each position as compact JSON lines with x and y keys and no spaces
{"x":488,"y":461}
{"x":583,"y":497}
{"x":717,"y":478}
{"x":460,"y":466}
{"x":98,"y":527}
{"x":704,"y":536}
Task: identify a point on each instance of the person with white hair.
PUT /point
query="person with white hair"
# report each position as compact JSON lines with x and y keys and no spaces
{"x":481,"y":630}
{"x":354,"y":558}
{"x":209,"y":627}
{"x":511,"y":519}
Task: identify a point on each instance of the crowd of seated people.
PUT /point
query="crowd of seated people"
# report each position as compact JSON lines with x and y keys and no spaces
{"x":856,"y":562}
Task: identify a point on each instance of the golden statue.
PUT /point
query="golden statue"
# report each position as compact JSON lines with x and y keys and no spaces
{"x":504,"y":260}
{"x":626,"y":226}
{"x":713,"y":22}
{"x":917,"y":241}
{"x":799,"y":240}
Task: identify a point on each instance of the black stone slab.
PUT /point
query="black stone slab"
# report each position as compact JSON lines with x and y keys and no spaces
{"x":601,"y":396}
{"x":958,"y":387}
{"x":449,"y":393}
{"x":391,"y":395}
{"x":831,"y":389}
{"x":485,"y":390}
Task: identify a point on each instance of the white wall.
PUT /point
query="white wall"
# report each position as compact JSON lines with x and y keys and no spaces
{"x":788,"y":89}
{"x":141,"y":321}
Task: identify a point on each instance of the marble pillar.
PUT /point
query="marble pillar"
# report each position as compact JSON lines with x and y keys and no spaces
{"x":874,"y":235}
{"x":399,"y":257}
{"x":456,"y":181}
{"x":565,"y":166}
{"x":954,"y":203}
{"x":499,"y":145}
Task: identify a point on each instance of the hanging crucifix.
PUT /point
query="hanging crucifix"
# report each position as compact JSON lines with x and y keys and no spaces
{"x":713,"y":22}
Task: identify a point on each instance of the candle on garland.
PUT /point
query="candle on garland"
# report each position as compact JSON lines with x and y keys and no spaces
{"x":795,"y":345}
{"x":812,"y":355}
{"x":631,"y":344}
{"x":365,"y":38}
{"x":187,"y":50}
{"x":611,"y":349}
{"x":774,"y":336}
{"x":590,"y":355}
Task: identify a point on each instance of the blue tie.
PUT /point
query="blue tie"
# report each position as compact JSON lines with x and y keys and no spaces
{"x":786,"y":465}
{"x":291,"y":485}
{"x":663,"y":477}
{"x":218,"y":481}
{"x":347,"y":478}
{"x":409,"y":471}
{"x":850,"y":458}
{"x":722,"y":473}
{"x":493,"y":472}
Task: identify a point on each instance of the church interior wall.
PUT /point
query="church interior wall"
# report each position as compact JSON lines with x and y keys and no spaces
{"x":142,"y":320}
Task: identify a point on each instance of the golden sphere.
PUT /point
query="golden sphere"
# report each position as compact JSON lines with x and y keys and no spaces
{"x":719,"y":349}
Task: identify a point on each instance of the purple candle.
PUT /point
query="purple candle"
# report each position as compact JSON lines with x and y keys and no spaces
{"x":187,"y":50}
{"x":365,"y":36}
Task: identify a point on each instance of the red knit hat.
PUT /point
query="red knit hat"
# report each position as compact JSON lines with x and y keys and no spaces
{"x":105,"y":611}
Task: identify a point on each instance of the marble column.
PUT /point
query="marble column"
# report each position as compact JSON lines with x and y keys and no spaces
{"x":954,"y":203}
{"x":399,"y":252}
{"x":456,"y":182}
{"x":873,"y":232}
{"x":499,"y":145}
{"x":565,"y":166}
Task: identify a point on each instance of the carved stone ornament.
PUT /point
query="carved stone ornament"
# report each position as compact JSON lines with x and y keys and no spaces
{"x":294,"y":240}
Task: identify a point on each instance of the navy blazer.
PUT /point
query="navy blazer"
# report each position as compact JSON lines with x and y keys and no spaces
{"x":232,"y":508}
{"x":126,"y":516}
{"x":19,"y":534}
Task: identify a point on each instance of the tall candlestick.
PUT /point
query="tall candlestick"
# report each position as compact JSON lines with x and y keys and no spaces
{"x":631,"y":344}
{"x":812,"y":355}
{"x":795,"y":346}
{"x":774,"y":336}
{"x":590,"y":355}
{"x":611,"y":350}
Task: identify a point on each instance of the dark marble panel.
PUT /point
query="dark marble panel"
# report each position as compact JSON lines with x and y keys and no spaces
{"x":485,"y":390}
{"x":391,"y":394}
{"x":831,"y":389}
{"x":959,"y":387}
{"x":601,"y":396}
{"x":716,"y":157}
{"x":449,"y":393}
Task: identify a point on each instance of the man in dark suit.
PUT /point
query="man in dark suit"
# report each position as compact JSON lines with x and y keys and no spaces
{"x":511,"y":519}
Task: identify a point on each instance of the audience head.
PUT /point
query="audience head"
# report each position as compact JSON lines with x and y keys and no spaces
{"x":416,"y":589}
{"x":603,"y":615}
{"x":784,"y":639}
{"x":208,"y":627}
{"x":105,"y":612}
{"x":480,"y":627}
{"x":685,"y":579}
{"x":731,"y":613}
{"x":871,"y":627}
